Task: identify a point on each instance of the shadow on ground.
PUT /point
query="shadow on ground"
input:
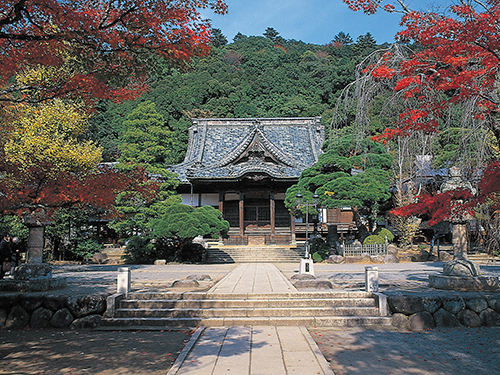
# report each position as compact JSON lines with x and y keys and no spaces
{"x":461,"y":351}
{"x":52,"y":351}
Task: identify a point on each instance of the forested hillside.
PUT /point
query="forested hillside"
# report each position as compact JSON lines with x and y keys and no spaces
{"x":255,"y":76}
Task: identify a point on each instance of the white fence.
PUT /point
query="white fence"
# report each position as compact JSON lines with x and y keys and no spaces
{"x":358,"y":250}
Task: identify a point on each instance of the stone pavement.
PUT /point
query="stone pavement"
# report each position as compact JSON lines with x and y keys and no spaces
{"x":258,"y":350}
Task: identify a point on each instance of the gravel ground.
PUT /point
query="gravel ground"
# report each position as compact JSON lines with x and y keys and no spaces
{"x":53,"y":351}
{"x":461,"y":351}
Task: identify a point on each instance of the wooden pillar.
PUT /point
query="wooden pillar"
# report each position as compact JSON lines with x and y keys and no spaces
{"x":272,"y":205}
{"x":242,"y":207}
{"x":221,"y":202}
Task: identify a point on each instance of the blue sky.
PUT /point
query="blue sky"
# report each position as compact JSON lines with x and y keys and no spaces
{"x":312,"y":21}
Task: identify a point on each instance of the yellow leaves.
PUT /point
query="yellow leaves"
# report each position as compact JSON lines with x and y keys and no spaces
{"x":47,"y":134}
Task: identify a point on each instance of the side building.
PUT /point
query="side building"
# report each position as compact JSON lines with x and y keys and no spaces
{"x":244,"y":167}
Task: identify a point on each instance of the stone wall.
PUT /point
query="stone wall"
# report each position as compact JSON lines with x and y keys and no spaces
{"x":18,"y":310}
{"x":419,"y":311}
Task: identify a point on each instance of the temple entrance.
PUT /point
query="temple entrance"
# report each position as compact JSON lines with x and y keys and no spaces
{"x":257,"y":213}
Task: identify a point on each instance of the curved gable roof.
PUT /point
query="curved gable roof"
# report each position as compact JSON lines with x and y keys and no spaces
{"x":231,"y":148}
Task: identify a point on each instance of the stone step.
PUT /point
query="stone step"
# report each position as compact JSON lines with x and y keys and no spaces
{"x":246,"y":312}
{"x":340,"y":321}
{"x":249,"y":296}
{"x":239,"y":303}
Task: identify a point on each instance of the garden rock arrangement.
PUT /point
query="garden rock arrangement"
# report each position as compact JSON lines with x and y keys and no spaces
{"x":51,"y":310}
{"x":420,"y":312}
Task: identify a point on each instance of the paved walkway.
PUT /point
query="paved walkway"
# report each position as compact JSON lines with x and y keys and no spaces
{"x":254,"y":278}
{"x":259,"y":350}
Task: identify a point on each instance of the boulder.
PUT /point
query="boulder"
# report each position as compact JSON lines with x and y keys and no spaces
{"x":494,"y":303}
{"x":443,"y":318}
{"x":186,"y":284}
{"x":29,"y":271}
{"x":8,"y":301}
{"x":316,"y":284}
{"x":30,"y":302}
{"x":160,"y":262}
{"x":477,"y":304}
{"x":41,"y":318}
{"x":460,"y":267}
{"x":54,"y":302}
{"x":401,"y":322}
{"x":469,"y":318}
{"x":17,"y":318}
{"x":99,"y":258}
{"x":490,"y":318}
{"x":304,"y":276}
{"x":454,"y":305}
{"x":199,"y":277}
{"x":61,"y":319}
{"x":3,"y":317}
{"x":81,"y":306}
{"x":421,"y":321}
{"x":390,"y":259}
{"x":89,"y":321}
{"x":392,"y":249}
{"x":405,"y":304}
{"x":335,"y":259}
{"x":444,"y":256}
{"x":432,"y":304}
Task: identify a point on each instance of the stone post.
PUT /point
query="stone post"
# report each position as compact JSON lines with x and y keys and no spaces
{"x":371,"y":279}
{"x":36,"y":241}
{"x":459,"y":241}
{"x":123,"y":281}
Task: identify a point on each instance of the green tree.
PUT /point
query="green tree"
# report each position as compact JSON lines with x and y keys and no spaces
{"x":218,"y":39}
{"x":350,"y":173}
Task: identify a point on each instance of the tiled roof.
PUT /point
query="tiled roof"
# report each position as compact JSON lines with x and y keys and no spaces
{"x":229,"y":149}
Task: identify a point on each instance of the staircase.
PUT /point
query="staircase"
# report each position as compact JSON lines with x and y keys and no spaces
{"x":191,"y":309}
{"x":250,"y":254}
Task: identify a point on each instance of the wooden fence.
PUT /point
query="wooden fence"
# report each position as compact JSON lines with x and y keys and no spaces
{"x":358,"y":250}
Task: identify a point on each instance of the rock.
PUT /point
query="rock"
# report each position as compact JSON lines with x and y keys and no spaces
{"x":444,"y":256}
{"x":90,"y":321}
{"x":41,"y":318}
{"x":460,"y":267}
{"x":335,"y":259}
{"x":432,"y":304}
{"x":186,"y":284}
{"x":401,"y":322}
{"x":199,"y":277}
{"x":99,"y":258}
{"x":469,"y":318}
{"x":477,"y":304}
{"x":62,"y":318}
{"x":8,"y":301}
{"x":17,"y":318}
{"x":392,"y":249}
{"x":54,"y":302}
{"x":443,"y":318}
{"x":421,"y":321}
{"x":304,"y":276}
{"x":422,"y":256}
{"x":378,"y":259}
{"x":3,"y":317}
{"x":87,"y":305}
{"x":390,"y":259}
{"x":160,"y":262}
{"x":455,"y":305}
{"x":29,"y":271}
{"x":494,"y":303}
{"x":31,"y":302}
{"x":316,"y":284}
{"x":465,"y":283}
{"x":490,"y":318}
{"x":405,"y":304}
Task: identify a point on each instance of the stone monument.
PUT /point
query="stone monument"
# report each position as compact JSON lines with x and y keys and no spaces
{"x":460,"y":273}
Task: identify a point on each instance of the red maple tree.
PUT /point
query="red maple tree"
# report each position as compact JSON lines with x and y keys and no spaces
{"x":101,"y":48}
{"x":457,"y":61}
